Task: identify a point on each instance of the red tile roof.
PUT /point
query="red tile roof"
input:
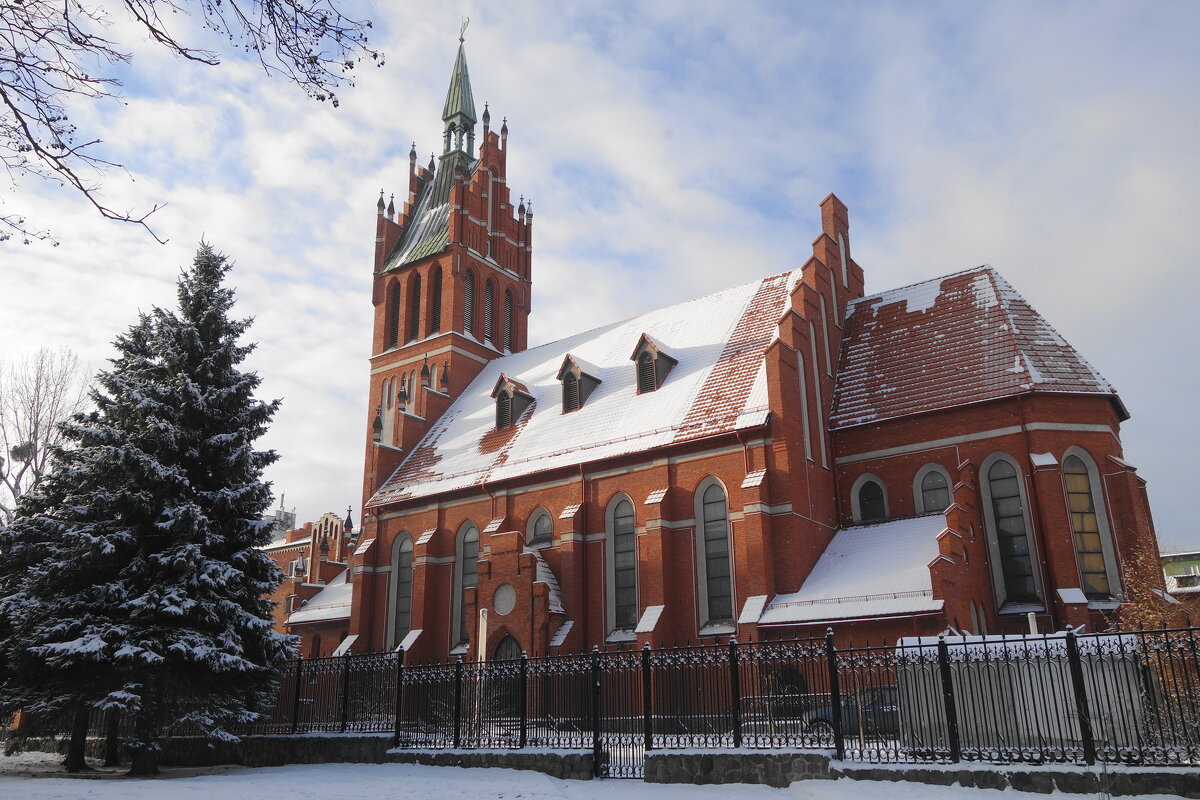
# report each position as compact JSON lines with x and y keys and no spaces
{"x":963,"y":338}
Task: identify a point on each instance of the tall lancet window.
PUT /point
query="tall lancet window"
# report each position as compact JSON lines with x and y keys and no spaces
{"x":402,"y":590}
{"x":465,"y":578}
{"x":716,"y":599}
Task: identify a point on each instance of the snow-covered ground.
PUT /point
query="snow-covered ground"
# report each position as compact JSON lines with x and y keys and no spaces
{"x":36,"y":776}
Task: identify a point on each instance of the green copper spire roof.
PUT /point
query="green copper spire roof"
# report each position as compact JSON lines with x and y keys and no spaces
{"x":459,"y":100}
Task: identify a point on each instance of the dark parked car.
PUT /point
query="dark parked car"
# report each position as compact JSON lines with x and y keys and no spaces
{"x":870,"y":712}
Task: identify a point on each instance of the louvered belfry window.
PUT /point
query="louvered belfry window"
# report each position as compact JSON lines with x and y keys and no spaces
{"x":503,"y":410}
{"x":488,"y":292}
{"x":469,"y":304}
{"x":645,"y":373}
{"x":435,"y":302}
{"x":414,"y":319}
{"x":570,"y":392}
{"x":508,"y":320}
{"x":393,"y":319}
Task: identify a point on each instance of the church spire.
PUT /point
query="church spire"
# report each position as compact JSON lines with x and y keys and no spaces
{"x":459,"y":112}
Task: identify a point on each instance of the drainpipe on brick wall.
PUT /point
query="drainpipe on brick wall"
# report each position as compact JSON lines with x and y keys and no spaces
{"x":583,"y":554}
{"x":374,"y":600}
{"x":1041,"y":525}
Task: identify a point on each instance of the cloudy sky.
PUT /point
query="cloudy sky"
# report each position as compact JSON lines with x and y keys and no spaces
{"x":675,"y":147}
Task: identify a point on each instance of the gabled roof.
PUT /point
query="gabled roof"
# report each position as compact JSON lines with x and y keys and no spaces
{"x":332,"y":602}
{"x":719,"y":385}
{"x":866,"y":571}
{"x":963,"y":338}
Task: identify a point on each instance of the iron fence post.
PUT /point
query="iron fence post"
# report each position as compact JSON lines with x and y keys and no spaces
{"x":1081,"y":702}
{"x":596,"y":757}
{"x":296,"y":698}
{"x":399,"y":695}
{"x":835,"y":696}
{"x":647,"y":700}
{"x":943,"y":653}
{"x":345,"y":690}
{"x":735,"y":691}
{"x":524,"y":698}
{"x":458,"y":676}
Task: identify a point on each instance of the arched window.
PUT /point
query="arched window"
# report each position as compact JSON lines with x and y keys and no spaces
{"x":621,"y":548}
{"x":715,"y":573}
{"x":868,"y":500}
{"x":402,"y":582}
{"x":488,"y":299}
{"x":393,"y":316}
{"x":435,"y":301}
{"x":1089,"y":525}
{"x":466,"y":564}
{"x":1009,"y":542}
{"x":385,"y":395}
{"x":645,"y":373}
{"x":931,"y":490}
{"x":507,"y":650}
{"x":508,"y":320}
{"x":469,"y":304}
{"x":414,"y":320}
{"x":570,"y":392}
{"x":541,"y":529}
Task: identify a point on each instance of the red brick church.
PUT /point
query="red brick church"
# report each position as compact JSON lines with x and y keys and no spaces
{"x":771,"y":460}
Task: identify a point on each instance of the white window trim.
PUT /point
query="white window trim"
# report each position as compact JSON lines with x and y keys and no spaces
{"x":1107,"y":545}
{"x":701,"y":561}
{"x":529,"y":528}
{"x":610,"y":562}
{"x":457,"y":604}
{"x":919,"y":496}
{"x":856,"y":510}
{"x":392,"y":586}
{"x":993,"y":542}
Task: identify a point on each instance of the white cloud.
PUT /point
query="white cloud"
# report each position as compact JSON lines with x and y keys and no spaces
{"x":670,"y":150}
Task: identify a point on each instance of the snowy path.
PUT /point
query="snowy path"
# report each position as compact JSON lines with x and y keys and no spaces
{"x":34,"y":776}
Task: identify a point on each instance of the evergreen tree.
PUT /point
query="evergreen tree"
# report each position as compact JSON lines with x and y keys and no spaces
{"x":138,"y":583}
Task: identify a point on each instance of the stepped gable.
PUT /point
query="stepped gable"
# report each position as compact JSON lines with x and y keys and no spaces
{"x":717,"y":386}
{"x":963,"y":338}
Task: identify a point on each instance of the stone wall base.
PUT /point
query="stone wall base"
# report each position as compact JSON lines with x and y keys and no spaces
{"x":278,"y":751}
{"x":780,"y":768}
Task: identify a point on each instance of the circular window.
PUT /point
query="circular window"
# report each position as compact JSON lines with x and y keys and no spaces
{"x":505,"y":599}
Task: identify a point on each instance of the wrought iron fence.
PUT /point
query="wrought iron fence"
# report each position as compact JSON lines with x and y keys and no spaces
{"x":1131,"y":698}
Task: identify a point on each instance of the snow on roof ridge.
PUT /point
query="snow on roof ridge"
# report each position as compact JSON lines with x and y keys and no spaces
{"x":879,"y":295}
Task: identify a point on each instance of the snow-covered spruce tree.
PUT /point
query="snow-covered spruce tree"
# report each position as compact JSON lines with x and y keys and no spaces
{"x":143,"y":587}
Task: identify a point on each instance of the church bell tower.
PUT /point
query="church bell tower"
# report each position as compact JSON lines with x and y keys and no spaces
{"x":452,"y":280}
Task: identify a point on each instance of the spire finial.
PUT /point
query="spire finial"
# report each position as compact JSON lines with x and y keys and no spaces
{"x":462,"y":30}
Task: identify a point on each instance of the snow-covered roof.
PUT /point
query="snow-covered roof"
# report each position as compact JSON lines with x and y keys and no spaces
{"x":1174,"y":587}
{"x":719,"y":385}
{"x":284,"y":544}
{"x":546,"y":575}
{"x":332,"y":602}
{"x":963,"y":338}
{"x":866,"y":571}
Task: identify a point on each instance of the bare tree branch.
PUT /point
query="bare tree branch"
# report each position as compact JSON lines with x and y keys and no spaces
{"x":36,"y":394}
{"x":53,"y":52}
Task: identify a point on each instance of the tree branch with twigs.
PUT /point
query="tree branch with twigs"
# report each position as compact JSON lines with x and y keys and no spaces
{"x":53,"y":56}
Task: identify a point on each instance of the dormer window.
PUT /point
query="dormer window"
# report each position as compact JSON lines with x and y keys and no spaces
{"x":512,"y":398}
{"x":652,"y":362}
{"x":578,"y":381}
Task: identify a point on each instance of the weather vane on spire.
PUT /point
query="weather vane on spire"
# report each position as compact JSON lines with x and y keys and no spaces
{"x":463,"y":29}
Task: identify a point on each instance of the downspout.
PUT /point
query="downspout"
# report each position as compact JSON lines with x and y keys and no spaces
{"x":374,"y":573}
{"x":583,"y":550}
{"x":1041,"y":524}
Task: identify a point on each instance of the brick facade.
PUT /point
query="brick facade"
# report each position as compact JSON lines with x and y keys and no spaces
{"x":779,"y":524}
